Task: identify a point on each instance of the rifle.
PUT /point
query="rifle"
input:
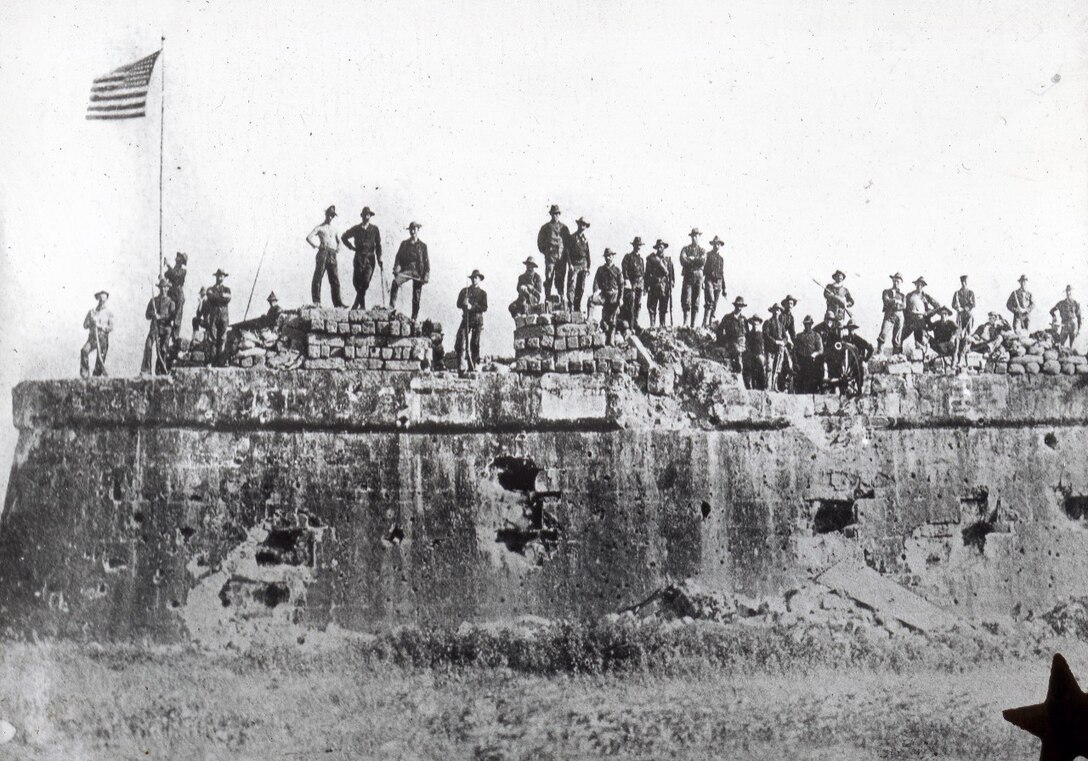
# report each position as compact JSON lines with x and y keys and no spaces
{"x":254,"y":286}
{"x":97,"y":347}
{"x":671,"y":323}
{"x":845,"y":309}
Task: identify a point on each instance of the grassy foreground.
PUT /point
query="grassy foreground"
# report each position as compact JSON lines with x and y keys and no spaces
{"x":482,"y":695}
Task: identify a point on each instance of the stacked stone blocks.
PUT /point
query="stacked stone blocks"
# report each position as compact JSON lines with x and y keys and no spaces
{"x":550,"y":339}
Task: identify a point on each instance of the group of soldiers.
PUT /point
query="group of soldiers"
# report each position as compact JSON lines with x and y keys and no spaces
{"x":770,"y":353}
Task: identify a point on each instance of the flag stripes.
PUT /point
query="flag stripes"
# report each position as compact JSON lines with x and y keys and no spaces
{"x":122,"y":93}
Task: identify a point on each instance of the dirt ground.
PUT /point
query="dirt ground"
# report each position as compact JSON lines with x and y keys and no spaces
{"x":77,"y":702}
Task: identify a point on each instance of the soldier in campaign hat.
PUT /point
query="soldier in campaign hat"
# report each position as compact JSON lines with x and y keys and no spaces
{"x":577,"y":265}
{"x":176,"y":277}
{"x":326,"y":241}
{"x":634,"y":274}
{"x":692,"y":262}
{"x":530,"y":289}
{"x":754,"y":361}
{"x":161,"y":312}
{"x":808,"y":350}
{"x":1021,"y":304}
{"x":660,"y":278}
{"x":411,"y":263}
{"x":838,"y":297}
{"x":894,"y":302}
{"x":216,"y":311}
{"x":99,"y":324}
{"x":733,"y":334}
{"x":607,"y":291}
{"x":920,"y":306}
{"x":713,"y":281}
{"x":365,"y":240}
{"x":472,"y":301}
{"x":552,"y":242}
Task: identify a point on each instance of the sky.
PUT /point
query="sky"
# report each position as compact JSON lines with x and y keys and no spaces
{"x":931,"y":138}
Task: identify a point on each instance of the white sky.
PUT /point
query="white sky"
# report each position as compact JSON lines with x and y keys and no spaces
{"x":926,"y":137}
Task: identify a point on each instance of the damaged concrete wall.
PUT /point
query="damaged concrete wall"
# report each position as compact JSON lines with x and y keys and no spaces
{"x":223,"y":501}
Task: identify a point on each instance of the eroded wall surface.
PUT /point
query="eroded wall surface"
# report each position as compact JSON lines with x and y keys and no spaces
{"x":181,"y":508}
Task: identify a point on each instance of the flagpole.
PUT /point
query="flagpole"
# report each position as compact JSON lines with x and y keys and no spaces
{"x":162,"y":132}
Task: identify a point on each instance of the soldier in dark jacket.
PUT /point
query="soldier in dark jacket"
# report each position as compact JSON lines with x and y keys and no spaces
{"x":607,"y":287}
{"x":893,"y":304}
{"x":713,"y":281}
{"x":530,"y":289}
{"x":865,"y":349}
{"x":754,"y":370}
{"x":216,"y":310}
{"x":176,"y":277}
{"x":472,"y":301}
{"x":786,"y":317}
{"x":660,"y":277}
{"x":692,"y":262}
{"x":552,"y":242}
{"x":809,"y":350}
{"x":838,"y":298}
{"x":733,"y":334}
{"x":634,"y":272}
{"x":577,"y":266}
{"x":412,"y":263}
{"x":777,"y":345}
{"x":161,"y":312}
{"x":365,"y":240}
{"x":1068,"y":311}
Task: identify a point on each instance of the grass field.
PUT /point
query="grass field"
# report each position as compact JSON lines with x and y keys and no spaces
{"x":449,"y":696}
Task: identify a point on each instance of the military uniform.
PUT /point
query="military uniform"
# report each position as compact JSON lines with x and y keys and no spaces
{"x":608,"y":282}
{"x":366,"y":242}
{"x":634,"y":272}
{"x":1020,"y":303}
{"x":175,"y":276}
{"x":775,"y":340}
{"x":838,"y":299}
{"x":660,"y":277}
{"x":1068,"y":312}
{"x":327,"y":241}
{"x":217,"y":311}
{"x":692,"y":262}
{"x":412,"y":263}
{"x":529,"y":292}
{"x":99,"y":324}
{"x":919,"y":305}
{"x":552,"y":242}
{"x":754,"y":364}
{"x":162,"y":312}
{"x":733,"y":337}
{"x":809,"y":348}
{"x":713,"y":285}
{"x":472,"y":301}
{"x":963,"y":302}
{"x":891,"y":326}
{"x":577,"y":269}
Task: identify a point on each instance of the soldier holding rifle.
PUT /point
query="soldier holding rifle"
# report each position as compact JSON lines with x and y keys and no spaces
{"x":99,"y":324}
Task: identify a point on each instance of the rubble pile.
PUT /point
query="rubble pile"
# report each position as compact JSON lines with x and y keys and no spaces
{"x":550,"y":339}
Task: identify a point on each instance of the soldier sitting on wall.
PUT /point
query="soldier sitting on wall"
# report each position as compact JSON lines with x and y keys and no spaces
{"x":530,"y":289}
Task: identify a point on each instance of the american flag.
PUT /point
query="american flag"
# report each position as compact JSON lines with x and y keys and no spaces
{"x":122,"y":94}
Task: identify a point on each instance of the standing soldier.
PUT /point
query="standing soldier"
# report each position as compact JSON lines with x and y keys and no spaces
{"x":891,"y":327}
{"x":776,"y":344}
{"x":1069,"y":312}
{"x":326,"y":241}
{"x":161,"y":311}
{"x":713,"y":281}
{"x":786,"y":317}
{"x":577,"y":266}
{"x":1020,"y":304}
{"x":963,"y":302}
{"x":99,"y":324}
{"x":809,"y":348}
{"x":692,"y":262}
{"x":838,"y":297}
{"x":732,"y":334}
{"x":754,"y":365}
{"x":217,"y":312}
{"x":916,"y":318}
{"x":412,"y":263}
{"x":472,"y":301}
{"x":660,"y":277}
{"x":366,"y":241}
{"x":176,"y":277}
{"x":529,"y":289}
{"x":607,"y":287}
{"x":634,"y":271}
{"x":552,"y":242}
